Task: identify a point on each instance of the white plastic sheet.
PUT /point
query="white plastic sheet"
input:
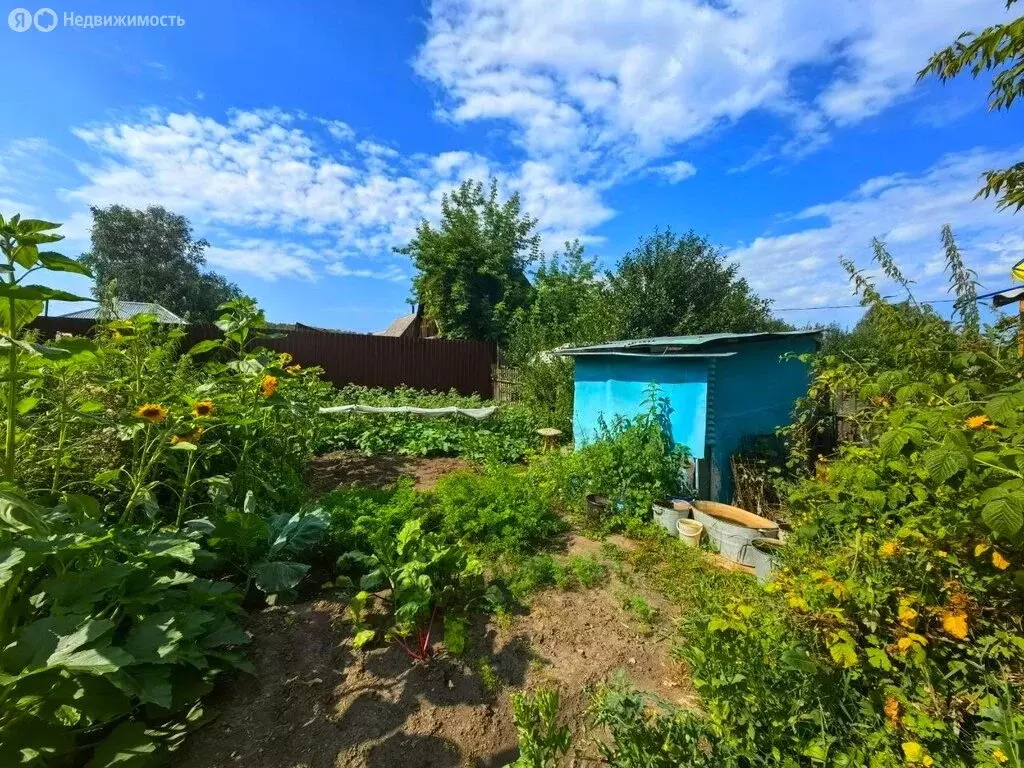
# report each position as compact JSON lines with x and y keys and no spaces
{"x":473,"y":413}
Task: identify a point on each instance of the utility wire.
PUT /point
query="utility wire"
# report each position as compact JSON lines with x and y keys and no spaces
{"x":859,"y":306}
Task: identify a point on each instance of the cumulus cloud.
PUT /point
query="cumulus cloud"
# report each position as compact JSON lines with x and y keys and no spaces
{"x":602,"y":82}
{"x":801,"y":268}
{"x":273,"y":173}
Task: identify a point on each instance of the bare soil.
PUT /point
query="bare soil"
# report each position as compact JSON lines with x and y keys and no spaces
{"x":317,"y":703}
{"x":340,"y":469}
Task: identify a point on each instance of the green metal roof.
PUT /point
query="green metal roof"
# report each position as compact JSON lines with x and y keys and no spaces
{"x":668,"y":344}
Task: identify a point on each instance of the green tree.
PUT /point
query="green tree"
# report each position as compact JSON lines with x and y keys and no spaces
{"x":671,"y":285}
{"x":570,"y":306}
{"x":151,"y":256}
{"x":998,"y":49}
{"x":471,"y":270}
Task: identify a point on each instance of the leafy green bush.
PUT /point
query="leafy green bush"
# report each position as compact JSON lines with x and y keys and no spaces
{"x":501,"y":510}
{"x":632,"y":462}
{"x":507,"y":436}
{"x":422,"y":575}
{"x":644,"y":733}
{"x":108,"y":636}
{"x":358,"y":513}
{"x":893,"y":635}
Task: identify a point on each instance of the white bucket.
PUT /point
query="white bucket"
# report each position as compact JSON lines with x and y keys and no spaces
{"x":690,"y":531}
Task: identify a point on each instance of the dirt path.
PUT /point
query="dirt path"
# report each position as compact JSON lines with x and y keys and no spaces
{"x":316,"y":703}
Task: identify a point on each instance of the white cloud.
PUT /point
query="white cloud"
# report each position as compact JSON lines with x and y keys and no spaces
{"x":266,"y":259}
{"x":392,"y":273}
{"x":268,"y":172}
{"x":611,"y":84}
{"x":675,"y":172}
{"x":906,"y":212}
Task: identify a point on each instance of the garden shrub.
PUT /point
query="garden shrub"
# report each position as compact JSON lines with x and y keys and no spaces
{"x":422,"y":576}
{"x":894,"y":634}
{"x":632,"y":462}
{"x":123,"y":457}
{"x":500,"y":510}
{"x":357,"y":513}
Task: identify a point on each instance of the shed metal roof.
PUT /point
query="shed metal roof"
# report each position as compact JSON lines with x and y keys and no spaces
{"x":126,"y":310}
{"x":667,"y":343}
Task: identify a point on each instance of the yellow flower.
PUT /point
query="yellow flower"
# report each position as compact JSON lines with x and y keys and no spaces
{"x":1000,"y":562}
{"x":203,"y":408}
{"x":913,"y":751}
{"x":152,"y":412}
{"x":999,"y":756}
{"x":927,"y":761}
{"x":268,"y":385}
{"x":907,"y":616}
{"x":889,"y":549}
{"x":294,"y":368}
{"x":892,"y":711}
{"x":980,"y":550}
{"x":955,"y":623}
{"x":978,"y":422}
{"x":284,"y":358}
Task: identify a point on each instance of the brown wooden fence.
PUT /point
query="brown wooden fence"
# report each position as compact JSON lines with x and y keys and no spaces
{"x":356,"y":358}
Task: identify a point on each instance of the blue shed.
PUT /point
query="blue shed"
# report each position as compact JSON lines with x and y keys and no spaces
{"x":721,"y":387}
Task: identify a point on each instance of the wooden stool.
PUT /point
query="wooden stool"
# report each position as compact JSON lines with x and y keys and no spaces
{"x":550,"y":437}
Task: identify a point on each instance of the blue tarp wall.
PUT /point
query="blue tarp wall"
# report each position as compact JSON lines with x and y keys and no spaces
{"x":714,"y":402}
{"x":612,"y":386}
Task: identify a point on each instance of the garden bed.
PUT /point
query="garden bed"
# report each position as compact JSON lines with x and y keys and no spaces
{"x":340,"y":469}
{"x":317,"y":702}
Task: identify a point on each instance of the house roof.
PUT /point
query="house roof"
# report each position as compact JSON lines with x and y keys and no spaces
{"x":679,"y":346}
{"x":125,"y":310}
{"x":399,"y":326}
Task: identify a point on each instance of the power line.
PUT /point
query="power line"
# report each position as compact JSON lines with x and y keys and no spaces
{"x":859,"y":306}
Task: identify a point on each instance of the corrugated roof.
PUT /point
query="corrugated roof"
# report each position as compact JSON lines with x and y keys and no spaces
{"x":399,"y":326}
{"x":666,"y":344}
{"x":125,"y":310}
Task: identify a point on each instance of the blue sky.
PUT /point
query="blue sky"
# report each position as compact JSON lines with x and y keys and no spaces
{"x":306,"y":141}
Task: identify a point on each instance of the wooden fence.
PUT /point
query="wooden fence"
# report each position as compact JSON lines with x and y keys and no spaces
{"x":355,"y":358}
{"x":507,"y":384}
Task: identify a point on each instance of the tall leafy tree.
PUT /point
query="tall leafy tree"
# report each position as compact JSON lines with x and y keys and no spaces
{"x":151,"y":256}
{"x":998,"y":49}
{"x":675,"y":285}
{"x":570,"y":305}
{"x":471,"y":269}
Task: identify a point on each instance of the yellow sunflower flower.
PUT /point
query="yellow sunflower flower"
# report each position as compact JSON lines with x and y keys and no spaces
{"x":284,"y":358}
{"x":154,"y":413}
{"x":203,"y":408}
{"x":268,"y":385}
{"x":999,"y":561}
{"x":999,"y":756}
{"x":293,"y":369}
{"x":978,"y":422}
{"x":954,"y":623}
